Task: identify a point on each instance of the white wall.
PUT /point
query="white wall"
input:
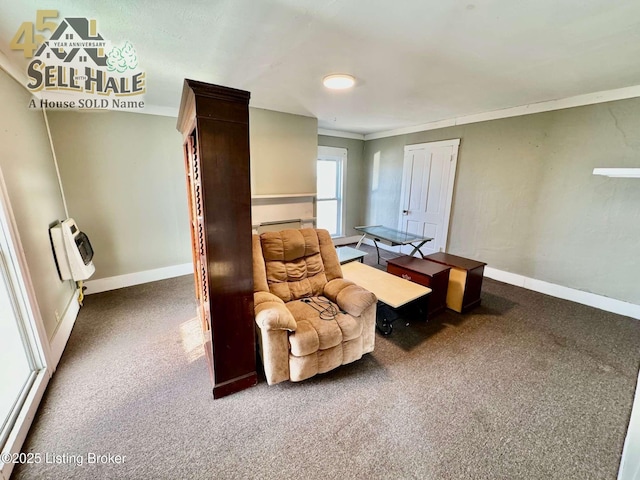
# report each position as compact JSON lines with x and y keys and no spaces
{"x":124,"y":180}
{"x":123,"y":177}
{"x":525,"y":199}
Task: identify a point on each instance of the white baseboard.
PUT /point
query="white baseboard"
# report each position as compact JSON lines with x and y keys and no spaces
{"x":130,"y":279}
{"x":585,"y":298}
{"x":62,"y":333}
{"x":566,"y":293}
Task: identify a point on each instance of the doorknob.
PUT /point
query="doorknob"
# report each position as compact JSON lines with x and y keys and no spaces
{"x":405,"y":212}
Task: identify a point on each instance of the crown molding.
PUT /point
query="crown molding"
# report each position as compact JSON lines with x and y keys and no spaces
{"x":548,"y":106}
{"x":340,"y":134}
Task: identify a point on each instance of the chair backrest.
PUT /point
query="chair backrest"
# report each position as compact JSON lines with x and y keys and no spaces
{"x":293,"y":264}
{"x":279,"y":225}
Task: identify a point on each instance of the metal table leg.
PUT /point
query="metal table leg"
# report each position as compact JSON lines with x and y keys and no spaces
{"x":417,"y":248}
{"x":360,"y":241}
{"x":384,"y":318}
{"x":375,"y":242}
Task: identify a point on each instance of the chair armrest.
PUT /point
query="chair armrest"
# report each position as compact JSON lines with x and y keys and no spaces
{"x":271,"y":313}
{"x":350,"y":297}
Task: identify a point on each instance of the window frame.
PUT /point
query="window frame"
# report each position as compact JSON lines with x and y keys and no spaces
{"x":338,"y":155}
{"x":33,"y":332}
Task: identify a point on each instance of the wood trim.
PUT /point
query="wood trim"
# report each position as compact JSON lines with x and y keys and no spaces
{"x":202,"y":89}
{"x":217,"y":135}
{"x":235,"y":385}
{"x":186,"y":116}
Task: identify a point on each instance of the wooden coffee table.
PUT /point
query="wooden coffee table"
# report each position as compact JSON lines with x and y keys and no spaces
{"x":394,"y":292}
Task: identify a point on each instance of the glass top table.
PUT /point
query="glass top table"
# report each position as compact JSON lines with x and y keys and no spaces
{"x":393,"y":237}
{"x":348,"y":254}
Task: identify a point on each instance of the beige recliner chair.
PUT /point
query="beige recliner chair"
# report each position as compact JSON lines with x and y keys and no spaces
{"x":309,"y":319}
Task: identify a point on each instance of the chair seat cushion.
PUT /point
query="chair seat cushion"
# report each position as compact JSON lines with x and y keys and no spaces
{"x":318,"y":331}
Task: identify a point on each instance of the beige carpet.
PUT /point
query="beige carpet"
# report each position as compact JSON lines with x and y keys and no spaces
{"x":526,"y":386}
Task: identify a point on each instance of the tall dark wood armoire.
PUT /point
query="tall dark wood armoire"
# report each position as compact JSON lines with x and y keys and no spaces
{"x":214,"y":122}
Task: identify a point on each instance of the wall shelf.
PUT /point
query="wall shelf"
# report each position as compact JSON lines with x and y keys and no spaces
{"x":618,"y":172}
{"x":282,"y":207}
{"x":283,"y":195}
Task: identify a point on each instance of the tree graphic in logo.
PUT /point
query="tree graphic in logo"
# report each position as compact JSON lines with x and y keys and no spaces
{"x":77,"y":60}
{"x":121,"y":59}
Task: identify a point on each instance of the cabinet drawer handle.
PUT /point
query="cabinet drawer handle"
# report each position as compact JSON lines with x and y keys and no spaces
{"x":406,"y":277}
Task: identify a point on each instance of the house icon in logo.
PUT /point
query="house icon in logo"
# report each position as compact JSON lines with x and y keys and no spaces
{"x":75,"y":39}
{"x":77,"y":60}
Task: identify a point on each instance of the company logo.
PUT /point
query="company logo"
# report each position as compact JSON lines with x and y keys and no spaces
{"x":76,"y":67}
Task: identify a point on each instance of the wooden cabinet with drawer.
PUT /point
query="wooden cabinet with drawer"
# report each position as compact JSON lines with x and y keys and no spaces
{"x":430,"y":274}
{"x":465,"y":280}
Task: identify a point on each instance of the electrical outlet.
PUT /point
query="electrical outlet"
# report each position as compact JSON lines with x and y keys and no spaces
{"x":57,"y":316}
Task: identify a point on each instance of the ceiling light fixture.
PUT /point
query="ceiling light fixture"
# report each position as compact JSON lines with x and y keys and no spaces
{"x":339,"y":81}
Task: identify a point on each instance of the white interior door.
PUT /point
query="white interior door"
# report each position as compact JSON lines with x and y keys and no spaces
{"x":427,"y":192}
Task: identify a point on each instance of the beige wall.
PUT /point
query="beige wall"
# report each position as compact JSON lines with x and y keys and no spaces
{"x":123,"y":177}
{"x":29,"y":173}
{"x":355,"y":189}
{"x":284,"y":151}
{"x":525,"y":199}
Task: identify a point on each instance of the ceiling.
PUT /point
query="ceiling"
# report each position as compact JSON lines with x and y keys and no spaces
{"x":415,"y":61}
